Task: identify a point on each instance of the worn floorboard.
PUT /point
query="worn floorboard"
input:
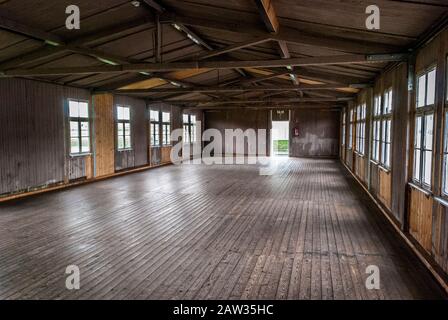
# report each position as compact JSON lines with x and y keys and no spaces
{"x":208,"y":232}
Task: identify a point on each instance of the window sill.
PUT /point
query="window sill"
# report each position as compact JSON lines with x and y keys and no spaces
{"x":427,"y":193}
{"x":124,"y":150}
{"x":442,"y":201}
{"x":387,"y":170}
{"x":77,"y":155}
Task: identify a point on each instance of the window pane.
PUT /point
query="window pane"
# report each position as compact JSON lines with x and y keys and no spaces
{"x":154,"y":115}
{"x":120,"y":128}
{"x":427,"y":167}
{"x":429,"y":126}
{"x":74,"y":130}
{"x":185,"y":117}
{"x":120,"y":142}
{"x":386,"y":102}
{"x":74,"y":145}
{"x":421,"y":90}
{"x":389,"y":128}
{"x":85,"y":145}
{"x":431,"y":87}
{"x":126,"y":113}
{"x":445,"y":148}
{"x":417,"y":164}
{"x":445,"y":184}
{"x":193,"y":119}
{"x":74,"y":109}
{"x":127,"y":140}
{"x":84,"y":129}
{"x":165,"y":117}
{"x":418,"y":132}
{"x":127,"y":129}
{"x":83,"y":110}
{"x":119,"y":113}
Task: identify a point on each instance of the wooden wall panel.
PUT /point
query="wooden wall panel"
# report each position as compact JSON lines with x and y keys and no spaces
{"x":318,"y":133}
{"x":32,"y":134}
{"x":360,"y":166}
{"x":420,"y":218}
{"x":440,"y":236}
{"x":104,"y":135}
{"x":165,"y":155}
{"x":140,"y":134}
{"x":385,"y":187}
{"x":237,"y":119}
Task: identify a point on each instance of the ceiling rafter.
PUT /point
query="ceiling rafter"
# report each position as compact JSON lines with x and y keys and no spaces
{"x":222,"y":64}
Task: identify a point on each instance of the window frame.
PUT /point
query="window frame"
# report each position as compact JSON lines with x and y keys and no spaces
{"x":351,"y":127}
{"x":420,"y":144}
{"x":190,"y":127}
{"x":154,"y":135}
{"x":123,"y":122}
{"x":344,"y":127}
{"x":166,"y":129}
{"x":79,"y":121}
{"x":361,"y":116}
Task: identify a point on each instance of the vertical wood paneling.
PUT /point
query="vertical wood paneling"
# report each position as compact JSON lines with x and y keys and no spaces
{"x":138,"y":156}
{"x":385,"y":190}
{"x":33,"y":148}
{"x":420,"y":221}
{"x":104,"y":135}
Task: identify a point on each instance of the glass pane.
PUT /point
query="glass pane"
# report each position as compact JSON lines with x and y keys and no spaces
{"x":185,"y":117}
{"x":73,"y":109}
{"x":387,"y":160}
{"x":421,"y":90}
{"x":120,"y":129}
{"x":193,"y":119}
{"x":127,"y":129}
{"x":427,"y":167}
{"x":83,"y":110}
{"x":85,"y":145}
{"x":390,"y":100}
{"x":120,"y":142}
{"x":119,"y":113}
{"x":127,"y":142}
{"x":446,"y":133}
{"x":431,"y":87}
{"x":386,"y":102}
{"x":417,"y":164}
{"x":429,"y":126}
{"x":126,"y":113}
{"x":445,"y":184}
{"x":84,"y":129}
{"x":165,"y":117}
{"x":418,"y":132}
{"x":74,"y":129}
{"x":389,"y":128}
{"x":74,"y":145}
{"x":154,"y":115}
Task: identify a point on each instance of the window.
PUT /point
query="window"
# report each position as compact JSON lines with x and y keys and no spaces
{"x":386,"y":141}
{"x":350,"y":129}
{"x":343,"y":127}
{"x":190,"y":128}
{"x":376,"y":141}
{"x":166,"y":128}
{"x":123,"y":128}
{"x":388,"y":102}
{"x":193,"y":128}
{"x":361,"y":128}
{"x":445,"y":156}
{"x":154,"y":116}
{"x":186,"y":119}
{"x":79,"y":127}
{"x":424,"y":127}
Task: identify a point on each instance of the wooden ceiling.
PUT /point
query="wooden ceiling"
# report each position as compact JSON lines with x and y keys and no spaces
{"x":211,"y":52}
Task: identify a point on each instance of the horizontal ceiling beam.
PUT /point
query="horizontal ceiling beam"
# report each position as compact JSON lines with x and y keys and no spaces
{"x":251,"y":101}
{"x":286,"y":33}
{"x":174,"y":66}
{"x":232,"y":89}
{"x":306,"y":106}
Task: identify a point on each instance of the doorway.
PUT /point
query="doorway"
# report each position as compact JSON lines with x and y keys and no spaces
{"x":280,"y":138}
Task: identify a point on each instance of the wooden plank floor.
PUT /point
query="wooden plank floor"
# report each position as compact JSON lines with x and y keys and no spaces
{"x":207,"y":232}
